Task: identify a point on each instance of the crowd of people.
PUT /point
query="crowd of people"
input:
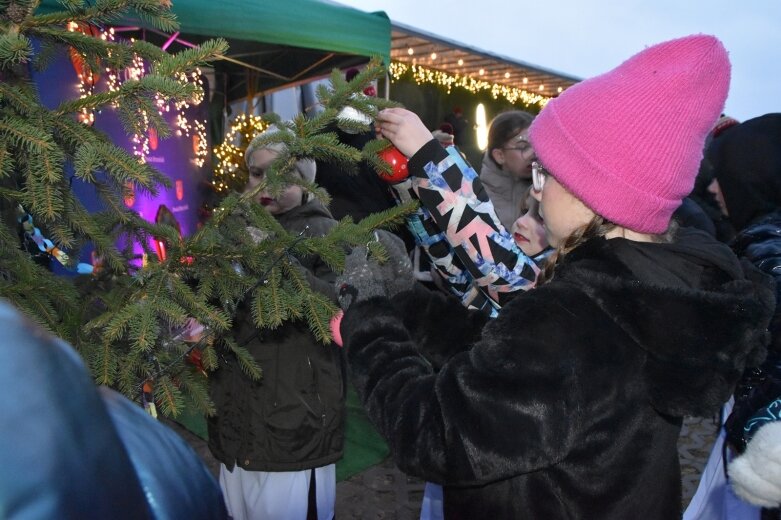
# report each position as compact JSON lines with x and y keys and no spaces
{"x":625,"y":298}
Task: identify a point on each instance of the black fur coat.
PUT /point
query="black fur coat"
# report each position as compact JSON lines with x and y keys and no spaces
{"x":569,"y":403}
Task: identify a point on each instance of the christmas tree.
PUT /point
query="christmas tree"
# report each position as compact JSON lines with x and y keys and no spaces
{"x":134,"y":323}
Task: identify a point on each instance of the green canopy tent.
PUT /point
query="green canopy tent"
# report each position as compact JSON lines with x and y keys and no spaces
{"x":273,"y":43}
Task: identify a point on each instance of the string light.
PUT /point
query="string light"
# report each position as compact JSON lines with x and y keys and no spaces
{"x":87,"y":79}
{"x":425,"y":75}
{"x":141,"y":141}
{"x":231,"y":173}
{"x":135,"y":71}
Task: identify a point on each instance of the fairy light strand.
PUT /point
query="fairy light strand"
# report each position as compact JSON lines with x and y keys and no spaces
{"x":230,"y":172}
{"x":195,"y":129}
{"x":422,"y":75}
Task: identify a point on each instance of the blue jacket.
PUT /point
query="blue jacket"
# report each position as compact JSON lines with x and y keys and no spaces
{"x":70,"y":450}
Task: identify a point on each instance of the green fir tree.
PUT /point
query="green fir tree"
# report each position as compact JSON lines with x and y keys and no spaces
{"x":126,"y":321}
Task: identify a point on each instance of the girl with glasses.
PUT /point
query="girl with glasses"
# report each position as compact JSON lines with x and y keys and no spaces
{"x":570,"y":402}
{"x":506,"y":169}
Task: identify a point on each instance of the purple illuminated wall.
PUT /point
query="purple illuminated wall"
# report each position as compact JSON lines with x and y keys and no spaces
{"x":173,"y":156}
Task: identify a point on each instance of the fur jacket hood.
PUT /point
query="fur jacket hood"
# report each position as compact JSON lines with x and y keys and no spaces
{"x":690,"y":306}
{"x":569,"y":403}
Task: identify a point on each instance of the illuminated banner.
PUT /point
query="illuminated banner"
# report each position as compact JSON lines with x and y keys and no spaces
{"x":181,"y":157}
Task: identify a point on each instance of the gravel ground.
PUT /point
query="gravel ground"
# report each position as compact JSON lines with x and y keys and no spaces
{"x":384,"y":492}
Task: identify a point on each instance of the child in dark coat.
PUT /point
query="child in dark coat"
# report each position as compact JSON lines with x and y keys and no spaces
{"x":569,"y":404}
{"x":278,"y":438}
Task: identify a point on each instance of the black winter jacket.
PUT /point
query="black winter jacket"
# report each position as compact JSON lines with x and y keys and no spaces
{"x":293,"y":418}
{"x":569,"y":404}
{"x":760,"y":243}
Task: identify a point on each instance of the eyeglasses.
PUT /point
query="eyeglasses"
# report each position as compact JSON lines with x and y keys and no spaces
{"x":539,"y":174}
{"x":523,"y":146}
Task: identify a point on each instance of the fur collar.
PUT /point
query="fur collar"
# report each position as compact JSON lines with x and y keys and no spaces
{"x":699,"y":324}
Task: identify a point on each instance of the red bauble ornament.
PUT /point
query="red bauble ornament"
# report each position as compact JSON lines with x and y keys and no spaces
{"x":194,"y":357}
{"x":398,"y":162}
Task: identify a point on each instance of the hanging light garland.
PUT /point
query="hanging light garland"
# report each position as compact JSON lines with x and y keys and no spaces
{"x":87,"y":78}
{"x":231,"y":172}
{"x":422,"y":75}
{"x":195,"y":129}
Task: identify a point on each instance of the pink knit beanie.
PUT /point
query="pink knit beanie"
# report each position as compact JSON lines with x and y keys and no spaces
{"x":628,"y":143}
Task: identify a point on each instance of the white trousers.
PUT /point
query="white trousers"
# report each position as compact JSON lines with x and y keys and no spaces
{"x":278,"y":495}
{"x":714,"y":499}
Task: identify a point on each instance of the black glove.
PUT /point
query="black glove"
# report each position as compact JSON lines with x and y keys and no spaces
{"x":365,"y":277}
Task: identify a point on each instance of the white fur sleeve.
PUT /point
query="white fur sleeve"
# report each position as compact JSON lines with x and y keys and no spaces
{"x":756,"y":474}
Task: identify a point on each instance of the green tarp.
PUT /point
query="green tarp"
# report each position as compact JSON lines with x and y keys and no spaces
{"x":273,"y":43}
{"x":300,"y":23}
{"x":309,"y":24}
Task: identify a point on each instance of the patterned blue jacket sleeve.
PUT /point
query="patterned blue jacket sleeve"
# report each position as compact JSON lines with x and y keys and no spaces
{"x":452,"y":196}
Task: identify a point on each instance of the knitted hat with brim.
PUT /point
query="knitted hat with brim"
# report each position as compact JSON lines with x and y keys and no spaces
{"x":628,"y":143}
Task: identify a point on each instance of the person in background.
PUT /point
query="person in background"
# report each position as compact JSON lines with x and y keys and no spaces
{"x":529,"y":231}
{"x":357,"y":195}
{"x":569,"y":403}
{"x":706,"y":193}
{"x":445,"y":139}
{"x":278,"y":439}
{"x":458,"y":124}
{"x":746,"y":164}
{"x":506,"y":170}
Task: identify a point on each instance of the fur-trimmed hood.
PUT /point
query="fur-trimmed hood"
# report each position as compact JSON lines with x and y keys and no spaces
{"x":691,"y":306}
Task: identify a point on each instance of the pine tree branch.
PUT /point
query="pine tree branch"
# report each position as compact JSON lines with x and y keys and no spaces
{"x":100,"y":13}
{"x":24,"y":135}
{"x":130,"y":90}
{"x":21,"y":97}
{"x":7,"y":163}
{"x":15,"y":49}
{"x":188,"y":59}
{"x":168,"y":396}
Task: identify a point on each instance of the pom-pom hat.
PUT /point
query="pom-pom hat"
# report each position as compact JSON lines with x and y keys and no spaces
{"x":628,"y":143}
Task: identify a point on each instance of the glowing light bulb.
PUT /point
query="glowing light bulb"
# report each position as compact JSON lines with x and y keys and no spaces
{"x":481,"y":129}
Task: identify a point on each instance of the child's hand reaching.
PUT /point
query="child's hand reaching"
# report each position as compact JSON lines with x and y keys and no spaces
{"x":364,"y":277}
{"x":404,"y":129}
